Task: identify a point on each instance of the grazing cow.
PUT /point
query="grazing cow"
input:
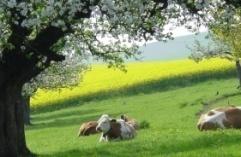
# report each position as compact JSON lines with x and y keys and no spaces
{"x":114,"y":129}
{"x":229,"y":117}
{"x":88,"y":128}
{"x":130,"y":121}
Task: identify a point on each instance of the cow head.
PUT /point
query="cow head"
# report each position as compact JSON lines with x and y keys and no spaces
{"x":207,"y":126}
{"x":124,"y":117}
{"x":104,"y":123}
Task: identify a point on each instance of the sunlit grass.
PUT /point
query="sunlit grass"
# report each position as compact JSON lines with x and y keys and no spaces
{"x":167,"y":95}
{"x":100,"y":78}
{"x":172,"y":132}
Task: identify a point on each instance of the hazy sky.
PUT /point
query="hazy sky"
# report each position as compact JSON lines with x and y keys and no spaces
{"x":177,"y":31}
{"x":182,"y":31}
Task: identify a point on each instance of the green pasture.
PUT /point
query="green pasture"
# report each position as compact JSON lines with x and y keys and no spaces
{"x":170,"y":104}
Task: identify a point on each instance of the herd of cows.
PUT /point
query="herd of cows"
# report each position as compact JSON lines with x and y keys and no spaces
{"x":125,"y":128}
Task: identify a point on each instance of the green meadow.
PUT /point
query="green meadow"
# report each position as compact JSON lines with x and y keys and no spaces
{"x":168,"y":95}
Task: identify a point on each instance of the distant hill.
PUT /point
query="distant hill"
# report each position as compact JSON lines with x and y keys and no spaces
{"x":172,"y":49}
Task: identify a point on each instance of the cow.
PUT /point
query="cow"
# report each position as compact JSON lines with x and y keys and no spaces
{"x":113,"y":129}
{"x":130,"y":121}
{"x":88,"y":128}
{"x":227,"y":117}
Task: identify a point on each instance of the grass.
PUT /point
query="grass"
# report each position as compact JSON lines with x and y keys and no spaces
{"x":171,"y":113}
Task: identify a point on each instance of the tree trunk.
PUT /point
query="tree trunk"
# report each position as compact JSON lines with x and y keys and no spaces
{"x":26,"y":113}
{"x":238,"y":67}
{"x":12,"y":136}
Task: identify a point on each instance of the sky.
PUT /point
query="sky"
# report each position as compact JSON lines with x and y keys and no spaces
{"x":182,"y":31}
{"x":176,"y":30}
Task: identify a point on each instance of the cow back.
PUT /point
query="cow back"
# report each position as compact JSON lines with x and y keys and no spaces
{"x":233,"y":116}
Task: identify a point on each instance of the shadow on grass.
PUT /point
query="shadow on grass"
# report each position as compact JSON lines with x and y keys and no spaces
{"x":77,"y":112}
{"x":208,"y":104}
{"x":145,"y":87}
{"x":61,"y":122}
{"x":66,"y":119}
{"x":153,"y":148}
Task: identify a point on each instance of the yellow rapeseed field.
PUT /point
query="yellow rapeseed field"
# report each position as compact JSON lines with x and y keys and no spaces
{"x":100,"y":78}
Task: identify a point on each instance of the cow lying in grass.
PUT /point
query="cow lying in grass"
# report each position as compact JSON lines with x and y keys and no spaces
{"x":88,"y":128}
{"x":114,"y":129}
{"x":229,"y":117}
{"x":130,"y":121}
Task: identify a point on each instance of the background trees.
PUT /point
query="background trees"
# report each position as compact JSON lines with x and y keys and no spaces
{"x":226,"y":37}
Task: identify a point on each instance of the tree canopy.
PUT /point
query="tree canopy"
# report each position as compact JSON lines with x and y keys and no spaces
{"x":224,"y":30}
{"x":223,"y":20}
{"x":41,"y":30}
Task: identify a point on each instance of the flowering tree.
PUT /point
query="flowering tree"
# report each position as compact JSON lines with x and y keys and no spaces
{"x":226,"y":37}
{"x":36,"y":33}
{"x":225,"y":44}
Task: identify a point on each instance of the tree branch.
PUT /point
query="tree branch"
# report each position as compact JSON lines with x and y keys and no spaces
{"x":235,"y":3}
{"x":47,"y":38}
{"x":19,"y":33}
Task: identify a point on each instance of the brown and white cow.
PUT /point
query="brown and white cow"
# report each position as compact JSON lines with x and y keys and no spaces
{"x":88,"y":128}
{"x":114,"y":129}
{"x":130,"y":121}
{"x":228,"y":117}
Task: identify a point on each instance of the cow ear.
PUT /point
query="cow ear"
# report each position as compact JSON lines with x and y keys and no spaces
{"x":113,"y":120}
{"x":122,"y":117}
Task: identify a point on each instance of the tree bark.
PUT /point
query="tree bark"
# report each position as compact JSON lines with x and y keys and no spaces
{"x":26,"y":113}
{"x":12,"y":136}
{"x":238,"y":68}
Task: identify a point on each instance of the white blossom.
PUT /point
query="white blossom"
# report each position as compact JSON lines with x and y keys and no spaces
{"x":12,"y":3}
